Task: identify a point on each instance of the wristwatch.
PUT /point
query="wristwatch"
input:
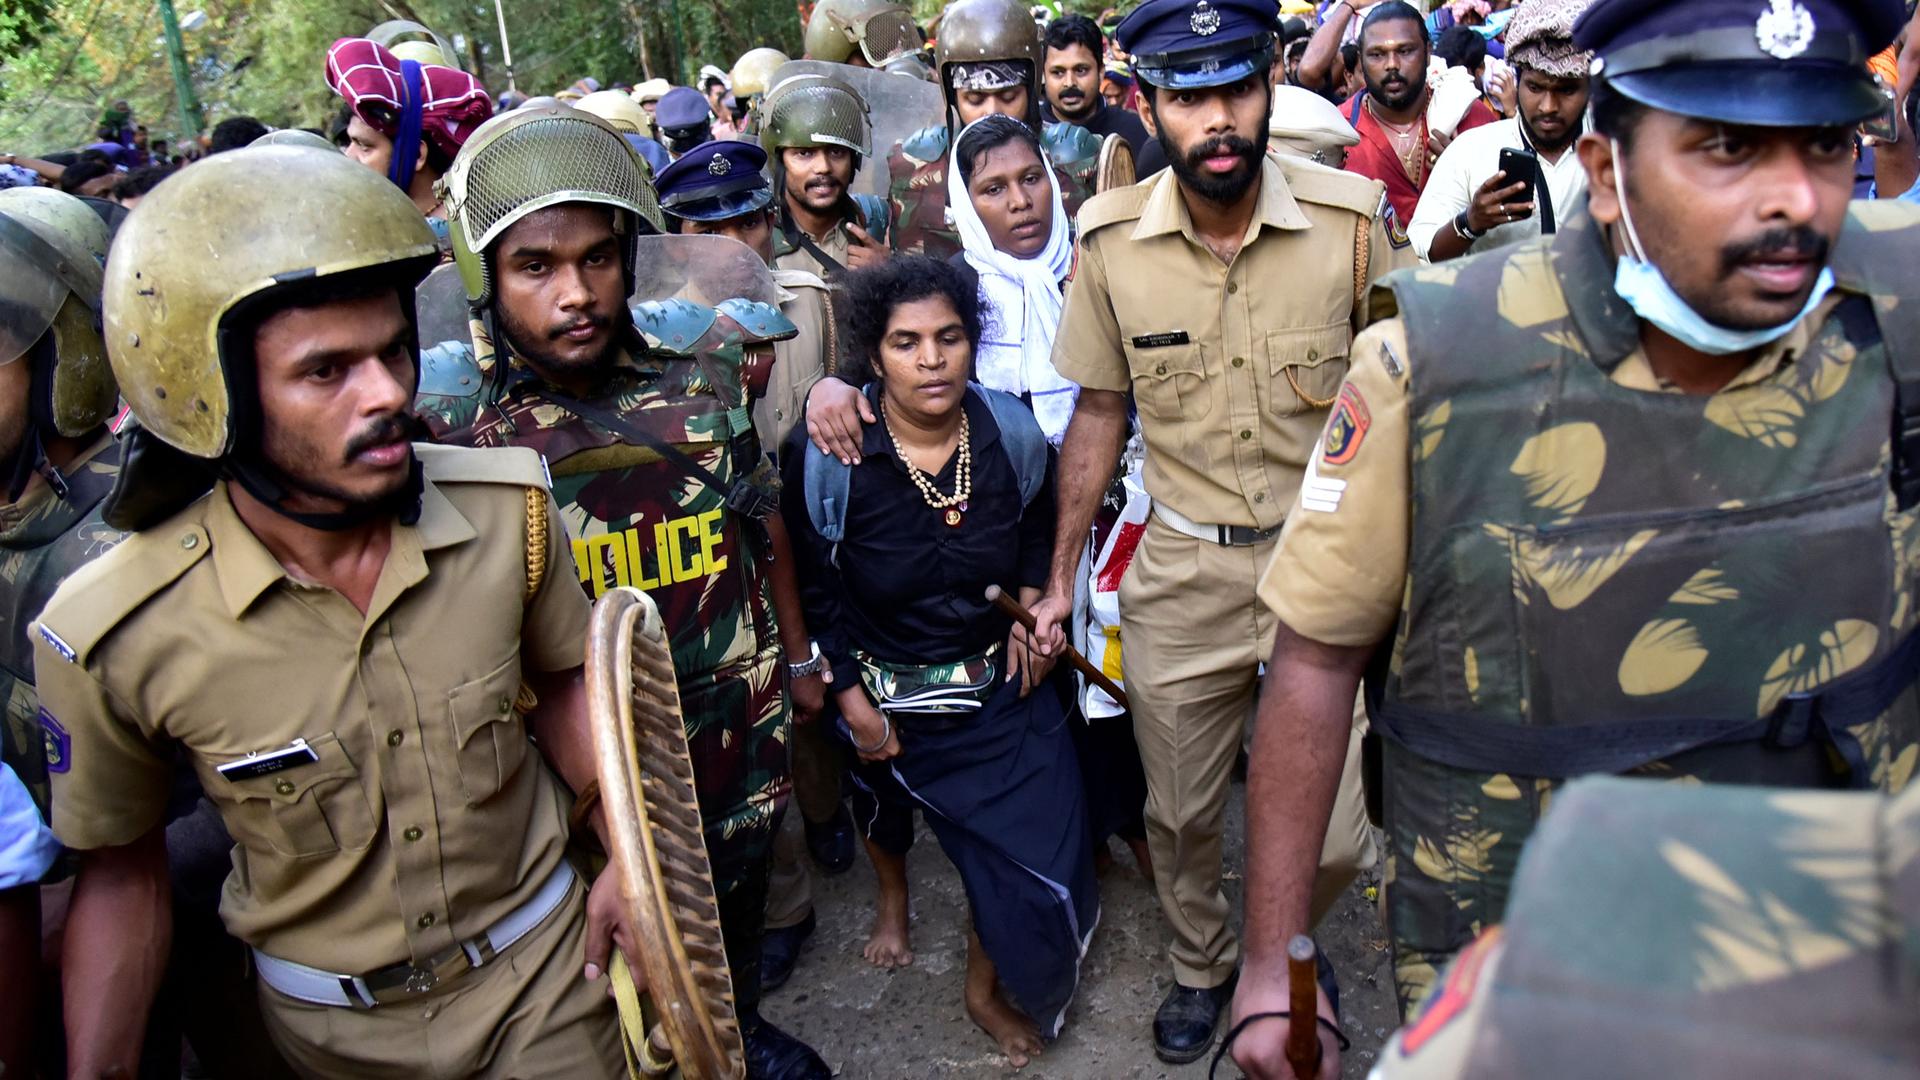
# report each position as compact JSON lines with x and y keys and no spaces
{"x":812,"y":665}
{"x":1463,"y":230}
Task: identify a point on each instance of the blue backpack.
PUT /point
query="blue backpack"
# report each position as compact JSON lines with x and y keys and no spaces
{"x":827,"y":478}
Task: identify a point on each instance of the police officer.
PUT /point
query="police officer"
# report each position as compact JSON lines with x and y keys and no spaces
{"x":752,"y":76}
{"x":988,"y":57}
{"x":719,"y":189}
{"x":684,"y":118}
{"x":1575,"y":531}
{"x":817,"y":133}
{"x":1175,"y":301}
{"x":281,"y":615}
{"x":56,"y":394}
{"x":1647,"y":920}
{"x":643,"y":414}
{"x":866,"y":33}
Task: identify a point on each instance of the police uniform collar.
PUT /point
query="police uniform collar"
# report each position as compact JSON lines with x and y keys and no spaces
{"x":246,"y":569}
{"x":1275,"y":207}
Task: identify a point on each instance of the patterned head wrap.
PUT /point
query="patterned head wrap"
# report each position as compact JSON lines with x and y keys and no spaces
{"x":1540,"y":36}
{"x":986,"y":75}
{"x":407,"y":101}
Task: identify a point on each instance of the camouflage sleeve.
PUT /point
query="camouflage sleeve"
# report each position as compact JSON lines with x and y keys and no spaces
{"x":1339,"y":571}
{"x":820,"y":586}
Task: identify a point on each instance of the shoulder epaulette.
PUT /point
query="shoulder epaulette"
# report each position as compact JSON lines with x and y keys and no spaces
{"x":101,"y":594}
{"x":673,"y":326}
{"x":1315,"y":183}
{"x":517,"y":465}
{"x":798,"y":279}
{"x":1110,"y":207}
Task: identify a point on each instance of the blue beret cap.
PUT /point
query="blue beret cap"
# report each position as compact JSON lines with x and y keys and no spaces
{"x":1772,"y":63}
{"x":1184,"y":44}
{"x":715,"y":181}
{"x":682,"y":107}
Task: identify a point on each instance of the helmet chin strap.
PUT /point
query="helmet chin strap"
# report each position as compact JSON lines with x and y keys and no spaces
{"x":269,"y":485}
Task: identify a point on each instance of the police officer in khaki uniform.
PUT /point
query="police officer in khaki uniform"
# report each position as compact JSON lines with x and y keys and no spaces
{"x":1564,"y":551}
{"x":1222,"y":294}
{"x":281,"y":615}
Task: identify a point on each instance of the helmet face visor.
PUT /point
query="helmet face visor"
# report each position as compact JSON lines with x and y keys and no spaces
{"x":31,"y":288}
{"x":887,"y":35}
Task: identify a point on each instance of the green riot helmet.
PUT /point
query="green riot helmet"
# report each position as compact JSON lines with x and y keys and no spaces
{"x":211,"y":246}
{"x":51,"y":248}
{"x":294,"y":137}
{"x":537,"y":156}
{"x":990,"y":45}
{"x":408,"y":40}
{"x":882,"y":31}
{"x":816,"y":110}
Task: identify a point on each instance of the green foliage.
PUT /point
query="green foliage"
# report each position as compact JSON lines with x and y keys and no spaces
{"x":67,"y":58}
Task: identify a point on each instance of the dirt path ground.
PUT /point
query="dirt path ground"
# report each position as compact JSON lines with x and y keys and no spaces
{"x":911,"y":1023}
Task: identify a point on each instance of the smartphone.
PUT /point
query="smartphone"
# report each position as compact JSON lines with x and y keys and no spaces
{"x":1521,"y":168}
{"x":1883,"y":126}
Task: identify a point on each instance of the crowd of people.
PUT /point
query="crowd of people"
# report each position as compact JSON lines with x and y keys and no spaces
{"x":1021,"y":425}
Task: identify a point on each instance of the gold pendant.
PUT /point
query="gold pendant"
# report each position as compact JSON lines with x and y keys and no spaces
{"x":953,"y":518}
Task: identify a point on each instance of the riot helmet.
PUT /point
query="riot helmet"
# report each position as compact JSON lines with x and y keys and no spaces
{"x":990,"y":45}
{"x":881,"y":30}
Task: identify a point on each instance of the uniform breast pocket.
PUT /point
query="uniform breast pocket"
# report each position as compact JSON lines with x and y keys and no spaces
{"x":1170,"y":382}
{"x":491,"y":736}
{"x":1306,"y":366}
{"x":307,"y":810}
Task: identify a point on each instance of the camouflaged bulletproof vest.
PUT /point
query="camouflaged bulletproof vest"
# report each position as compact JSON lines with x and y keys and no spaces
{"x":1609,"y":580}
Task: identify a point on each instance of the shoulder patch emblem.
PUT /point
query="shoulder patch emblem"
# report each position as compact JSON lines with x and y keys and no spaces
{"x":59,"y":744}
{"x":1347,"y":428}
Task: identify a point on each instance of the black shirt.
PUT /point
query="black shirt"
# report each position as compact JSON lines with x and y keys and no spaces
{"x":1105,"y":121}
{"x":907,"y":587}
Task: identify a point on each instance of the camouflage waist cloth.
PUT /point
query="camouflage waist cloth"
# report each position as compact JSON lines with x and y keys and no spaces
{"x":963,"y":686}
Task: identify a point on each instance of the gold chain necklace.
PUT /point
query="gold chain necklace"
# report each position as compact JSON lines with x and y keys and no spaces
{"x":955,"y":504}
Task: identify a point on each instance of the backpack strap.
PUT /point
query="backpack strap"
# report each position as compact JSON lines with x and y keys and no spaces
{"x":825,"y":480}
{"x":1020,"y":433}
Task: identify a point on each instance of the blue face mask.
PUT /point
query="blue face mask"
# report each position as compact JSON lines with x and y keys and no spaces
{"x":1645,"y":289}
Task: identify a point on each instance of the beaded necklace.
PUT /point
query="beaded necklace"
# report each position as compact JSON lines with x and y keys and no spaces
{"x":955,"y":504}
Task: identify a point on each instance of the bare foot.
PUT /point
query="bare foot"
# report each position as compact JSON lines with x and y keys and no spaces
{"x":888,"y":945}
{"x":1018,"y":1037}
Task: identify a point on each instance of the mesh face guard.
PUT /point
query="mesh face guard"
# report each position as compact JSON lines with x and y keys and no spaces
{"x":552,"y":160}
{"x":817,"y":115}
{"x":887,"y":35}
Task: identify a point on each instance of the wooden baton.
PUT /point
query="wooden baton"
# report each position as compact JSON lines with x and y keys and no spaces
{"x":1018,"y":613}
{"x":1303,"y":1008}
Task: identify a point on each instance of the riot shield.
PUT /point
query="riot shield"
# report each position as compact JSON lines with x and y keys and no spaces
{"x":440,"y":305}
{"x":897,"y":106}
{"x":703,"y":269}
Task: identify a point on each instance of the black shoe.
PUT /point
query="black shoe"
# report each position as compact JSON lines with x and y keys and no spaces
{"x":831,"y":843}
{"x":773,"y":1054}
{"x":1184,"y":1027}
{"x":780,"y":950}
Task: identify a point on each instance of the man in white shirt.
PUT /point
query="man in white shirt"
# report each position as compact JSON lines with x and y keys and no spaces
{"x":1469,"y":205}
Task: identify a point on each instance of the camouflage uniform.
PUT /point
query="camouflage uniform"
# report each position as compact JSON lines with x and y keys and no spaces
{"x":1574,"y":614}
{"x":1665,"y":930}
{"x":43,"y":538}
{"x":918,"y":168}
{"x":638,"y":520}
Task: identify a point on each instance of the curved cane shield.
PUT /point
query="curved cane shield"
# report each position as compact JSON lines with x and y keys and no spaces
{"x":658,"y":853}
{"x":1115,"y":167}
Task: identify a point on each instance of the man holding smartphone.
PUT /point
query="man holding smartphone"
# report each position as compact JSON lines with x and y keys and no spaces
{"x":1507,"y":182}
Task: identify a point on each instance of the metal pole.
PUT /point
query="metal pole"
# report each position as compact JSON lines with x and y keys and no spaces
{"x":506,"y":49}
{"x":190,"y":117}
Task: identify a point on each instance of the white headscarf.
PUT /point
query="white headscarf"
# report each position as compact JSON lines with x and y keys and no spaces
{"x":1022,"y":298}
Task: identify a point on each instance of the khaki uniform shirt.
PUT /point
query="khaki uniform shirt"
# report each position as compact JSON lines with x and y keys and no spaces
{"x":428,"y":815}
{"x":835,"y":244}
{"x":1233,"y":366}
{"x":1340,"y":570}
{"x":800,"y":361}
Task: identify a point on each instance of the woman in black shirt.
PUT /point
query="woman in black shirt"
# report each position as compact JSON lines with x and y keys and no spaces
{"x":952,"y":492}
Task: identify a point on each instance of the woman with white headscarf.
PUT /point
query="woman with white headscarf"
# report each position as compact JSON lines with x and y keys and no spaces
{"x":1016,"y":236}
